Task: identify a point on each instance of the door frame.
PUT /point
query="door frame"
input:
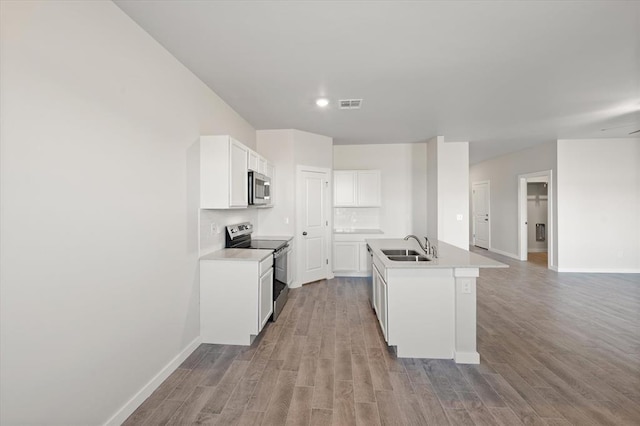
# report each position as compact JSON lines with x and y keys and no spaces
{"x":522,"y":212}
{"x":473,"y":218}
{"x":328,"y":208}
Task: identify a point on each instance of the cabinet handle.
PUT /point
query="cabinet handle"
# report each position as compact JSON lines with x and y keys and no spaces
{"x":304,"y":233}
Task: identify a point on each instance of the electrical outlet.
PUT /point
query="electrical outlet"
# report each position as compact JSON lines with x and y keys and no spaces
{"x":466,"y":287}
{"x":459,"y":217}
{"x":286,"y":220}
{"x":214,"y":229}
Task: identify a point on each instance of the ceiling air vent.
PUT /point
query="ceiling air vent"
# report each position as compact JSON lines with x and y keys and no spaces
{"x":350,"y":103}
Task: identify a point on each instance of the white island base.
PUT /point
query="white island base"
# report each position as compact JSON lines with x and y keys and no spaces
{"x":428,"y":309}
{"x":432,"y":313}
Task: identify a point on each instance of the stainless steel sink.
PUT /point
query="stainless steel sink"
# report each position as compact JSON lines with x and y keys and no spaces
{"x":408,"y":258}
{"x":401,"y":253}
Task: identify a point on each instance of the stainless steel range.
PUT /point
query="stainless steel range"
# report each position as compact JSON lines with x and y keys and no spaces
{"x":239,"y":236}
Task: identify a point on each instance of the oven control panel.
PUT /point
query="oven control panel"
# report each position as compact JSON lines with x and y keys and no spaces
{"x":239,"y":229}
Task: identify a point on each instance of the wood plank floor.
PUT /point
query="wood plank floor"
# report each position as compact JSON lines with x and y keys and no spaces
{"x":539,"y":258}
{"x":556,"y":349}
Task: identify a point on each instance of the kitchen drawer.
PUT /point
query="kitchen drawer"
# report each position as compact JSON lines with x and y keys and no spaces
{"x":266,"y":264}
{"x":378,"y":264}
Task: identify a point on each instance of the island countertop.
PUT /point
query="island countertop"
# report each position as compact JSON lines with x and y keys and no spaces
{"x":448,"y":256}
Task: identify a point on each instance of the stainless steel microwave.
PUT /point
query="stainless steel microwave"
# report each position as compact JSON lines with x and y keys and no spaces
{"x":259,"y":189}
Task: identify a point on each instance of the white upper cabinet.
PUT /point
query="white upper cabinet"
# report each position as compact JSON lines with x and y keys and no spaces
{"x":254,"y":161}
{"x":344,"y":188}
{"x":270,"y":171}
{"x":223,"y":173}
{"x":369,"y":188}
{"x":239,"y":185}
{"x":262,"y":166}
{"x":258,"y":163}
{"x":356,"y":188}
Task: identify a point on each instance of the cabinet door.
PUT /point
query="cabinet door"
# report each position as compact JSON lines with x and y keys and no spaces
{"x":368,"y":189}
{"x":382,"y":315}
{"x":346,"y":256}
{"x":254,"y":160}
{"x":270,"y":171}
{"x":376,"y":290}
{"x":344,"y":188}
{"x":265,"y":298}
{"x":239,"y":180}
{"x":262,"y":166}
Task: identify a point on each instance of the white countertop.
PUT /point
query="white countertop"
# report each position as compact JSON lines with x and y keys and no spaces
{"x":245,"y":255}
{"x":448,"y":256}
{"x":357,"y":231}
{"x":272,"y":237}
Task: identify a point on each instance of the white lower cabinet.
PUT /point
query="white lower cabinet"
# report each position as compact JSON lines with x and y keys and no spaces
{"x":346,"y":256}
{"x":265,"y":295}
{"x":351,"y":258}
{"x":236,"y":299}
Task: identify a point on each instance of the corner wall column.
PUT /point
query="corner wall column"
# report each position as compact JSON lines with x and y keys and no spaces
{"x":465,"y":351}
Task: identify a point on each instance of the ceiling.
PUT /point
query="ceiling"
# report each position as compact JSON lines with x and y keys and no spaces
{"x":502,"y":75}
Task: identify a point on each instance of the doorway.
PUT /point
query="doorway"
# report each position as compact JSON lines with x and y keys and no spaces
{"x":481,"y":206}
{"x":312,"y":224}
{"x":535,"y":217}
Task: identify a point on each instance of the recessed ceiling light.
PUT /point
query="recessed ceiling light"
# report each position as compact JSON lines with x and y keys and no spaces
{"x":322,"y":102}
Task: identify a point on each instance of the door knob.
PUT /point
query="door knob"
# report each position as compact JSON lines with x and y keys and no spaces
{"x":304,"y":233}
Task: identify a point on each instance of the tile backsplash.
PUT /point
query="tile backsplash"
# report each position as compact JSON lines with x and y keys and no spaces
{"x":356,"y":218}
{"x":210,"y":241}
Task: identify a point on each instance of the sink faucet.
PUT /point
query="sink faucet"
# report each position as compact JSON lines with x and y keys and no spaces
{"x":425,"y":248}
{"x":428,"y":248}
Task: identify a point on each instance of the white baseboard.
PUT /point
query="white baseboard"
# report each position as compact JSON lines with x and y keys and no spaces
{"x":553,"y":268}
{"x":466,"y":357}
{"x":537,"y":250}
{"x":123,"y":413}
{"x":353,"y":274}
{"x":601,"y":270}
{"x":504,"y":253}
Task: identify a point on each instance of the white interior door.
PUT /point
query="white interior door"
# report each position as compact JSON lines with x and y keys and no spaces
{"x":481,"y":218}
{"x":313,"y":225}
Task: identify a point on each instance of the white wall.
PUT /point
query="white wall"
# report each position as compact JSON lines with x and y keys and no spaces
{"x":99,"y":249}
{"x":599,"y":205}
{"x":503,"y":173}
{"x":419,"y":189}
{"x":312,"y":150}
{"x":286,"y":149}
{"x":278,"y":147}
{"x":395,"y":162}
{"x":432,"y":187}
{"x":447,"y":191}
{"x":453,"y":190}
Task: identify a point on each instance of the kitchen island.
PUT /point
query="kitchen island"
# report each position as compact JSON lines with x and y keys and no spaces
{"x":427,"y":309}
